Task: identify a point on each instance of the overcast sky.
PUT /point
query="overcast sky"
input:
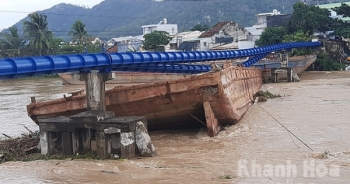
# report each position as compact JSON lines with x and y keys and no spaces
{"x":8,"y":19}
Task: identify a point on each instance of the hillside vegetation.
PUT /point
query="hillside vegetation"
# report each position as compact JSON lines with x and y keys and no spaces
{"x":113,"y":18}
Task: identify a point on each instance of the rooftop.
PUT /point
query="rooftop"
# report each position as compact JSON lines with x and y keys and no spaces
{"x":274,"y":12}
{"x":113,"y":49}
{"x":211,"y":32}
{"x":127,"y":38}
{"x":185,"y":36}
{"x":155,"y":25}
{"x":332,"y":5}
{"x":228,"y":46}
{"x":254,"y":30}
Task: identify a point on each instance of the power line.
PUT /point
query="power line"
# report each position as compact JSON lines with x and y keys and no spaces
{"x":140,"y":30}
{"x":93,"y":31}
{"x":98,"y":36}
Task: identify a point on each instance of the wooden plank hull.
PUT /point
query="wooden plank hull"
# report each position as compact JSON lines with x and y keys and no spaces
{"x":298,"y":63}
{"x":125,"y":78}
{"x":303,"y":62}
{"x":172,"y":103}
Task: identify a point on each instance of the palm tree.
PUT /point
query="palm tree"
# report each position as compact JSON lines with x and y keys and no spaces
{"x":38,"y":32}
{"x":78,"y":32}
{"x":12,"y":41}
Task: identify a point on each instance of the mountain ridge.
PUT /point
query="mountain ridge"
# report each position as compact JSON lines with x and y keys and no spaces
{"x":114,"y":18}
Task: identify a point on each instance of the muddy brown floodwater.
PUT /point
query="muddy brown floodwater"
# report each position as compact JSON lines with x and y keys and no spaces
{"x":256,"y":150}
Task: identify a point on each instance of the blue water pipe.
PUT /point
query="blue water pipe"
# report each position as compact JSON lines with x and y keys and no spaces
{"x":165,"y":68}
{"x":31,"y":66}
{"x":254,"y":60}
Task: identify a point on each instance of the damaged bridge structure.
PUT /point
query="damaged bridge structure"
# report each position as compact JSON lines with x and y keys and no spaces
{"x":225,"y":95}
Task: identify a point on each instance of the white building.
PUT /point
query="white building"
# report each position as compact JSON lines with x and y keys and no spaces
{"x":257,"y":29}
{"x":319,"y":2}
{"x":333,"y":13}
{"x":124,"y":39}
{"x":93,"y":40}
{"x":161,"y":26}
{"x":262,"y":23}
{"x":179,"y":38}
{"x":255,"y":34}
{"x":125,"y":44}
{"x":226,"y":33}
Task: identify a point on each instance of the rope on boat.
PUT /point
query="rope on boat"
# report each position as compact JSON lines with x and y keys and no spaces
{"x":287,"y":129}
{"x":289,"y":132}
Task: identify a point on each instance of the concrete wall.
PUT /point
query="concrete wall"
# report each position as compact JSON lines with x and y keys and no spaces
{"x":170,"y":28}
{"x":234,"y":30}
{"x":246,"y":44}
{"x":206,"y":43}
{"x":130,"y":46}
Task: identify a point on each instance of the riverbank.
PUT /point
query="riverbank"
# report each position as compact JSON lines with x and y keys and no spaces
{"x":315,"y":109}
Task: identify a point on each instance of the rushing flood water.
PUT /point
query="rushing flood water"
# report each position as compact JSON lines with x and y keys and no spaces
{"x":15,"y":96}
{"x":316,"y":110}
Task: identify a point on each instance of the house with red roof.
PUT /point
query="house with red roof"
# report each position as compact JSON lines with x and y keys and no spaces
{"x":225,"y":33}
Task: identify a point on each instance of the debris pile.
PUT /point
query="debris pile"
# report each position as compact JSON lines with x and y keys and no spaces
{"x":262,"y":96}
{"x":13,"y":149}
{"x":324,"y":155}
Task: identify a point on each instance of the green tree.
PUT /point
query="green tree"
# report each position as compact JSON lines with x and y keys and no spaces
{"x":299,"y":36}
{"x":270,"y":36}
{"x":341,"y":28}
{"x":67,"y":48}
{"x":155,"y":40}
{"x":62,"y":47}
{"x":344,"y":9}
{"x":38,"y":33}
{"x":342,"y":31}
{"x":12,"y":42}
{"x":94,"y":47}
{"x":325,"y":63}
{"x":308,"y":19}
{"x":78,"y":32}
{"x":56,"y":47}
{"x":200,"y":27}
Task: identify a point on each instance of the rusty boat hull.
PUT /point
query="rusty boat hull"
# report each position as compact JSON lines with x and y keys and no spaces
{"x":297,"y":63}
{"x":216,"y":98}
{"x":125,"y":78}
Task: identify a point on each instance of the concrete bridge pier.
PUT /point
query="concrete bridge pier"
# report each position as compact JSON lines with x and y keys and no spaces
{"x":284,"y":72}
{"x":122,"y":136}
{"x":95,"y":89}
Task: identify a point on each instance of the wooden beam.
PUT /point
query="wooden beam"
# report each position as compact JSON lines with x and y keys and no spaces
{"x":213,"y":125}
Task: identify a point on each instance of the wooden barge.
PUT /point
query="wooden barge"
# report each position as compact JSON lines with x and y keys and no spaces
{"x":125,"y":78}
{"x":272,"y":61}
{"x":213,"y":99}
